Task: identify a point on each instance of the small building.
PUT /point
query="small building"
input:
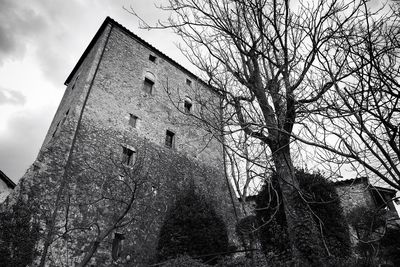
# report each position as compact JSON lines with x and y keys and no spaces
{"x":360,"y":192}
{"x":6,"y":186}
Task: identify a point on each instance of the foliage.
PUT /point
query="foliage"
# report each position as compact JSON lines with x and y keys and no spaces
{"x":192,"y":227}
{"x":272,"y":234}
{"x":325,"y":205}
{"x":19,"y":233}
{"x":391,"y":245}
{"x":375,"y":238}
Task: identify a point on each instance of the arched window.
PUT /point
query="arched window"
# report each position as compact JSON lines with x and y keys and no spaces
{"x":148,"y":83}
{"x":187,"y":105}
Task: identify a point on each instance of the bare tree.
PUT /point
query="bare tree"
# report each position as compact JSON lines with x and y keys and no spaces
{"x":274,"y":64}
{"x":362,"y":113}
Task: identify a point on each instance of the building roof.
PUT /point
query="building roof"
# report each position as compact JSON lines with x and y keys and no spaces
{"x":110,"y":21}
{"x":7,"y":180}
{"x":351,"y":181}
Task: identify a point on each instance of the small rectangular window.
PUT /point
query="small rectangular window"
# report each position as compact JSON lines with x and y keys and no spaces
{"x":148,"y":86}
{"x":128,"y":156}
{"x":188,"y":107}
{"x":55,"y":131}
{"x":169,"y":139}
{"x":152,"y":58}
{"x":188,"y":82}
{"x":133,"y":120}
{"x":76,"y":79}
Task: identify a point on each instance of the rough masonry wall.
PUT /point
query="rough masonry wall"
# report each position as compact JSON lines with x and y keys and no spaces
{"x":354,"y":195}
{"x":118,"y":91}
{"x":195,"y":159}
{"x":89,"y":188}
{"x":162,"y":176}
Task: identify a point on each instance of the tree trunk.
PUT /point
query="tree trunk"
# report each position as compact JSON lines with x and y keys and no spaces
{"x":303,"y":232}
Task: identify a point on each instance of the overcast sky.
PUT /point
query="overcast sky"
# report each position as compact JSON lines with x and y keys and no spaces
{"x":40,"y":42}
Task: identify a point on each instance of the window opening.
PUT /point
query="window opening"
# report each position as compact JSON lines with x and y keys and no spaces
{"x":128,"y":156}
{"x":152,"y":58}
{"x":188,"y":106}
{"x":148,"y":86}
{"x":55,"y":131}
{"x":117,"y":245}
{"x":133,"y":120}
{"x":76,"y":79}
{"x":169,"y":139}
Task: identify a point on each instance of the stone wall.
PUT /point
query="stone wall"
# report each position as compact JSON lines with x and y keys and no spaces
{"x":78,"y":181}
{"x":354,"y":193}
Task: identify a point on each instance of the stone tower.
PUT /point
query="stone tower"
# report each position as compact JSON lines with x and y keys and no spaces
{"x":128,"y":132}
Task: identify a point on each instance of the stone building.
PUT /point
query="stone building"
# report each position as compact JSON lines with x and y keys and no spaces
{"x":6,"y":186}
{"x":359,"y":192}
{"x":124,"y":142}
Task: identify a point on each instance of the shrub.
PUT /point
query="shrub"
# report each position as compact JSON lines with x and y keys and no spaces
{"x":376,"y":238}
{"x":192,"y":227}
{"x":391,"y":245}
{"x":323,"y":201}
{"x":271,"y":219}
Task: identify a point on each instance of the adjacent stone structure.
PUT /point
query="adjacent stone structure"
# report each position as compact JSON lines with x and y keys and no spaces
{"x":124,"y":142}
{"x":6,"y":186}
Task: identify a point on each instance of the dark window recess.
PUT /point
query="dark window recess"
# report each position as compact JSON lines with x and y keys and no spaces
{"x":148,"y":86}
{"x":55,"y":131}
{"x":152,"y":58}
{"x":128,"y":156}
{"x":133,"y":120}
{"x":169,"y":139}
{"x":188,"y":106}
{"x":117,"y":246}
{"x":66,"y":113}
{"x":188,"y":82}
{"x":76,"y":79}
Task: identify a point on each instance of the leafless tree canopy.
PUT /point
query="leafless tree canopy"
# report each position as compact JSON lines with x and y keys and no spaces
{"x":320,"y":73}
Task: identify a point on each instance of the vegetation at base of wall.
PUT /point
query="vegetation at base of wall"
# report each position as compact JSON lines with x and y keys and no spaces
{"x":192,"y":227}
{"x":272,"y":231}
{"x":324,"y":202}
{"x":391,"y":245}
{"x":378,"y":241}
{"x":19,"y":234}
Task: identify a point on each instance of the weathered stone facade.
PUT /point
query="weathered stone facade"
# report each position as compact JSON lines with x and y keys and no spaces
{"x":79,"y":181}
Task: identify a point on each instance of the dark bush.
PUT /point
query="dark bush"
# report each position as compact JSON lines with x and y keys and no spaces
{"x":391,"y":245}
{"x":377,"y":240}
{"x":323,"y":201}
{"x":192,"y":227}
{"x":271,"y":219}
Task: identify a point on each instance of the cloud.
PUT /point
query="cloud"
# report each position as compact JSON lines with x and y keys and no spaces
{"x":22,"y":140}
{"x":18,"y":24}
{"x":11,"y":97}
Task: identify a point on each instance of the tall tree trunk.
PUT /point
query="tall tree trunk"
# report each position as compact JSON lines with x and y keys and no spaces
{"x":303,"y":232}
